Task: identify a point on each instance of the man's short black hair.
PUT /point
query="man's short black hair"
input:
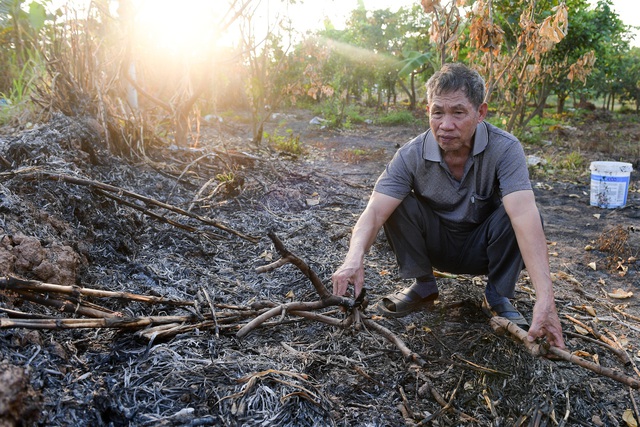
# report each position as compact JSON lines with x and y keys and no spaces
{"x":456,"y":76}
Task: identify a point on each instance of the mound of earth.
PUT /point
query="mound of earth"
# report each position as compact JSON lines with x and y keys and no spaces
{"x":192,"y":224}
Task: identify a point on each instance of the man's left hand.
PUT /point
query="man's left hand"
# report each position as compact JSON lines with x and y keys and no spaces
{"x":546,"y":324}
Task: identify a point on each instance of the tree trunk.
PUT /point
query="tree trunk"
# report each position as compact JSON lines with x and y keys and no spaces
{"x":412,"y":97}
{"x":539,"y":110}
{"x":613,"y":101}
{"x":561,"y":101}
{"x":405,"y":88}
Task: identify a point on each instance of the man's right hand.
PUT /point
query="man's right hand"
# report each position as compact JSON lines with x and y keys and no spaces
{"x":346,"y":275}
{"x":378,"y":209}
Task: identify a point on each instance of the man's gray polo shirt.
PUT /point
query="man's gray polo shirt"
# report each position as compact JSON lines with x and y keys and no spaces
{"x":496,"y":168}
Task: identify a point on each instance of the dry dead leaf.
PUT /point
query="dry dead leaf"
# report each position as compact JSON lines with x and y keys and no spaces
{"x":290,"y":295}
{"x":622,"y":268}
{"x":628,"y":418}
{"x":267,"y":256}
{"x":581,"y":353}
{"x":589,"y":248}
{"x":384,"y":272}
{"x":568,"y":277}
{"x":581,"y":330}
{"x":527,"y":289}
{"x":623,"y":341}
{"x":430,"y":6}
{"x":590,"y":310}
{"x":592,"y":265}
{"x":596,"y":216}
{"x":620,"y":294}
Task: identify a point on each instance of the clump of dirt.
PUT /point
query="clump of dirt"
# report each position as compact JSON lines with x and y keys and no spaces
{"x":164,"y":228}
{"x":18,"y":402}
{"x":25,"y":256}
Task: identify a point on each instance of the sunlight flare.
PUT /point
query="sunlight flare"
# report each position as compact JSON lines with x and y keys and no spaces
{"x":187,"y":28}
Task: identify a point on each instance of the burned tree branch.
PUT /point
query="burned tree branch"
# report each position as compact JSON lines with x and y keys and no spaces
{"x":158,"y":217}
{"x":105,"y":322}
{"x":69,"y":299}
{"x":322,"y":291}
{"x":292,"y":306}
{"x":622,"y":355}
{"x":30,"y":175}
{"x":16,"y":284}
{"x":327,"y":299}
{"x":502,"y":324}
{"x":69,"y":305}
{"x":392,"y":338}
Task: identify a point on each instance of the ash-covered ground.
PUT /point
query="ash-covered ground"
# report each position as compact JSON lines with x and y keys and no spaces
{"x":180,"y":224}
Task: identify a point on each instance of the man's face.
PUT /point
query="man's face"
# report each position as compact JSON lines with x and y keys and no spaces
{"x":453,"y":120}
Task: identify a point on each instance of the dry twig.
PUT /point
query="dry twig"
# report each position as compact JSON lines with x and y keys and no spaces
{"x":613,"y":346}
{"x":30,"y":175}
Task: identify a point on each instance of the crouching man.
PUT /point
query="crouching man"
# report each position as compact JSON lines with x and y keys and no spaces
{"x":458,"y":198}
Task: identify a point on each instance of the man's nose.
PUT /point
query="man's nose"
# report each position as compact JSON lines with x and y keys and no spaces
{"x":447,"y":122}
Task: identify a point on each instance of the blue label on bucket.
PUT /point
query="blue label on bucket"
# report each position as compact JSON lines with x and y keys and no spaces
{"x":610,"y":178}
{"x":609,"y":191}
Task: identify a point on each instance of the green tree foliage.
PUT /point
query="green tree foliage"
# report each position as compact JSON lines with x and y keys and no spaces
{"x":522,"y":46}
{"x":610,"y":39}
{"x":630,"y":78}
{"x":21,"y":31}
{"x":361,"y":63}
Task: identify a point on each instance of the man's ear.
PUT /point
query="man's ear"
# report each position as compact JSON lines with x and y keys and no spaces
{"x":482,"y":111}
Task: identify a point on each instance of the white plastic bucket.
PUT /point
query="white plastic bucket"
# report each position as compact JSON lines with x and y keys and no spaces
{"x":609,"y":184}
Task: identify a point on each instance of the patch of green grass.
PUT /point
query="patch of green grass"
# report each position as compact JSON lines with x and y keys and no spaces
{"x":396,"y":118}
{"x":226,"y":177}
{"x":560,"y":166}
{"x":15,"y":104}
{"x":353,"y":116}
{"x":235,"y":117}
{"x":572,"y":161}
{"x":287,"y":143}
{"x":338,"y":115}
{"x":357,"y":155}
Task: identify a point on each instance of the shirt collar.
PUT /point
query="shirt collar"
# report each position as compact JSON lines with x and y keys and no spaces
{"x":431,"y":149}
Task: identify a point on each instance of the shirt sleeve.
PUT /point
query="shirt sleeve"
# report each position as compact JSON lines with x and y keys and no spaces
{"x":397,"y":179}
{"x":512,"y":171}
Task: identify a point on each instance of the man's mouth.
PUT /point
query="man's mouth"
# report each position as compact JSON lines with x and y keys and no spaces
{"x":446,"y":138}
